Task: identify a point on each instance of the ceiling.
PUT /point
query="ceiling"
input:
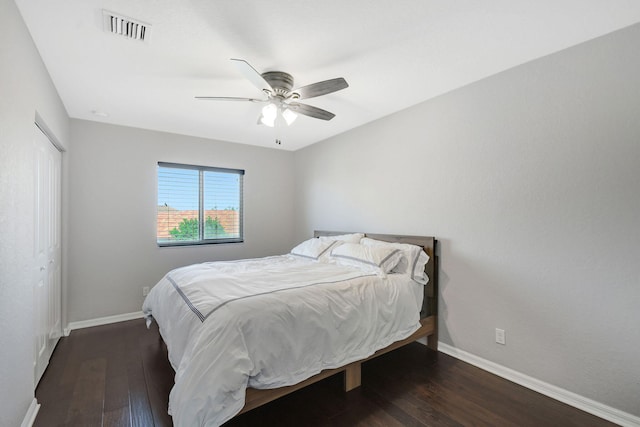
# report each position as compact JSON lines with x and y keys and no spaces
{"x":393,"y":53}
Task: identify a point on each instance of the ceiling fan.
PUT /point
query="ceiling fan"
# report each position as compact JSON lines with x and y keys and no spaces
{"x":282,"y":101}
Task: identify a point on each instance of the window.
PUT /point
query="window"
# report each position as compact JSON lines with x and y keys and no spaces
{"x":198,"y":205}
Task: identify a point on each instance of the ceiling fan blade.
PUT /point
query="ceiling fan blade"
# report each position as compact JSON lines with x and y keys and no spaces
{"x":311,"y":111}
{"x":322,"y":88}
{"x":228,"y":98}
{"x":252,"y":75}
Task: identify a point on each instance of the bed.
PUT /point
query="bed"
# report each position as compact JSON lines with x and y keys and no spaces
{"x":242,"y":333}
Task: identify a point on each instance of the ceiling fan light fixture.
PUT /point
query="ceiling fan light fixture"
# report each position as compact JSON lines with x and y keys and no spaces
{"x":289,"y":116}
{"x":265,"y":121}
{"x":269,"y":114}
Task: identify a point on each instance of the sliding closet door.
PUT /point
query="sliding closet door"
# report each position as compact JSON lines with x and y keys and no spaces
{"x":47,"y":245}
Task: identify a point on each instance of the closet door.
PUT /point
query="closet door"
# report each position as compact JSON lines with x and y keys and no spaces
{"x":47,"y":248}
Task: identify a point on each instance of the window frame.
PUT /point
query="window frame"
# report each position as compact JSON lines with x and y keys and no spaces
{"x":201,"y":210}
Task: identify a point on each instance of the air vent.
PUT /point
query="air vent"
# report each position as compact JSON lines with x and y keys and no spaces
{"x":125,"y":27}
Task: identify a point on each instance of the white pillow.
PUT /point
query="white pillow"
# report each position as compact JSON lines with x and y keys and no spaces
{"x":313,"y":248}
{"x":376,"y":258}
{"x":412,"y":261}
{"x":347,"y":238}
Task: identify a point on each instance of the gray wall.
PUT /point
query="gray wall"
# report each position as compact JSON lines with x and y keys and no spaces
{"x":531,"y":181}
{"x":112,"y":209}
{"x":529,"y":178}
{"x":25,"y":89}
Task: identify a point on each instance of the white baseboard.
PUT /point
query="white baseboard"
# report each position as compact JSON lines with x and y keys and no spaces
{"x":588,"y":405}
{"x":30,"y":416}
{"x":102,"y":321}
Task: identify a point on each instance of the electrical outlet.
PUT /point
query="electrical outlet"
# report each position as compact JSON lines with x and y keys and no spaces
{"x":500,"y":336}
{"x":145,"y":291}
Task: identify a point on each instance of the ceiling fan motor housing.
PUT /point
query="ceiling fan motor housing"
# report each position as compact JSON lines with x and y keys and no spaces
{"x":281,"y":82}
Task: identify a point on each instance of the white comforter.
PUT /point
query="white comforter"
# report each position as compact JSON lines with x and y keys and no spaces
{"x":270,"y":322}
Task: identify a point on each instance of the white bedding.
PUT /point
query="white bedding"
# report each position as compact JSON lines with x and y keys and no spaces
{"x":270,"y":322}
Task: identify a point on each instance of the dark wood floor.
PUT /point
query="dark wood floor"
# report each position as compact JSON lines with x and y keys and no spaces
{"x":119,"y":375}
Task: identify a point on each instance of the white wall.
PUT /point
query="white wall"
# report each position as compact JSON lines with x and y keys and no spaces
{"x":531,"y":181}
{"x":112,"y":211}
{"x":25,"y":89}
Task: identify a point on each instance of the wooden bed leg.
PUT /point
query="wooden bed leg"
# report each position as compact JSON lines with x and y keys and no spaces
{"x":352,"y":376}
{"x":432,"y":340}
{"x":432,"y":343}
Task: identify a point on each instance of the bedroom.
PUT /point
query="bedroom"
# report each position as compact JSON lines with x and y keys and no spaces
{"x":528,"y":178}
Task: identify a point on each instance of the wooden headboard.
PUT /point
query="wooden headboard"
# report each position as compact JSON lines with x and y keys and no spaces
{"x":430,"y":301}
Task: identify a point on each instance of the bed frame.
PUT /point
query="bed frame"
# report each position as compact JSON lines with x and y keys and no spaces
{"x":352,"y":372}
